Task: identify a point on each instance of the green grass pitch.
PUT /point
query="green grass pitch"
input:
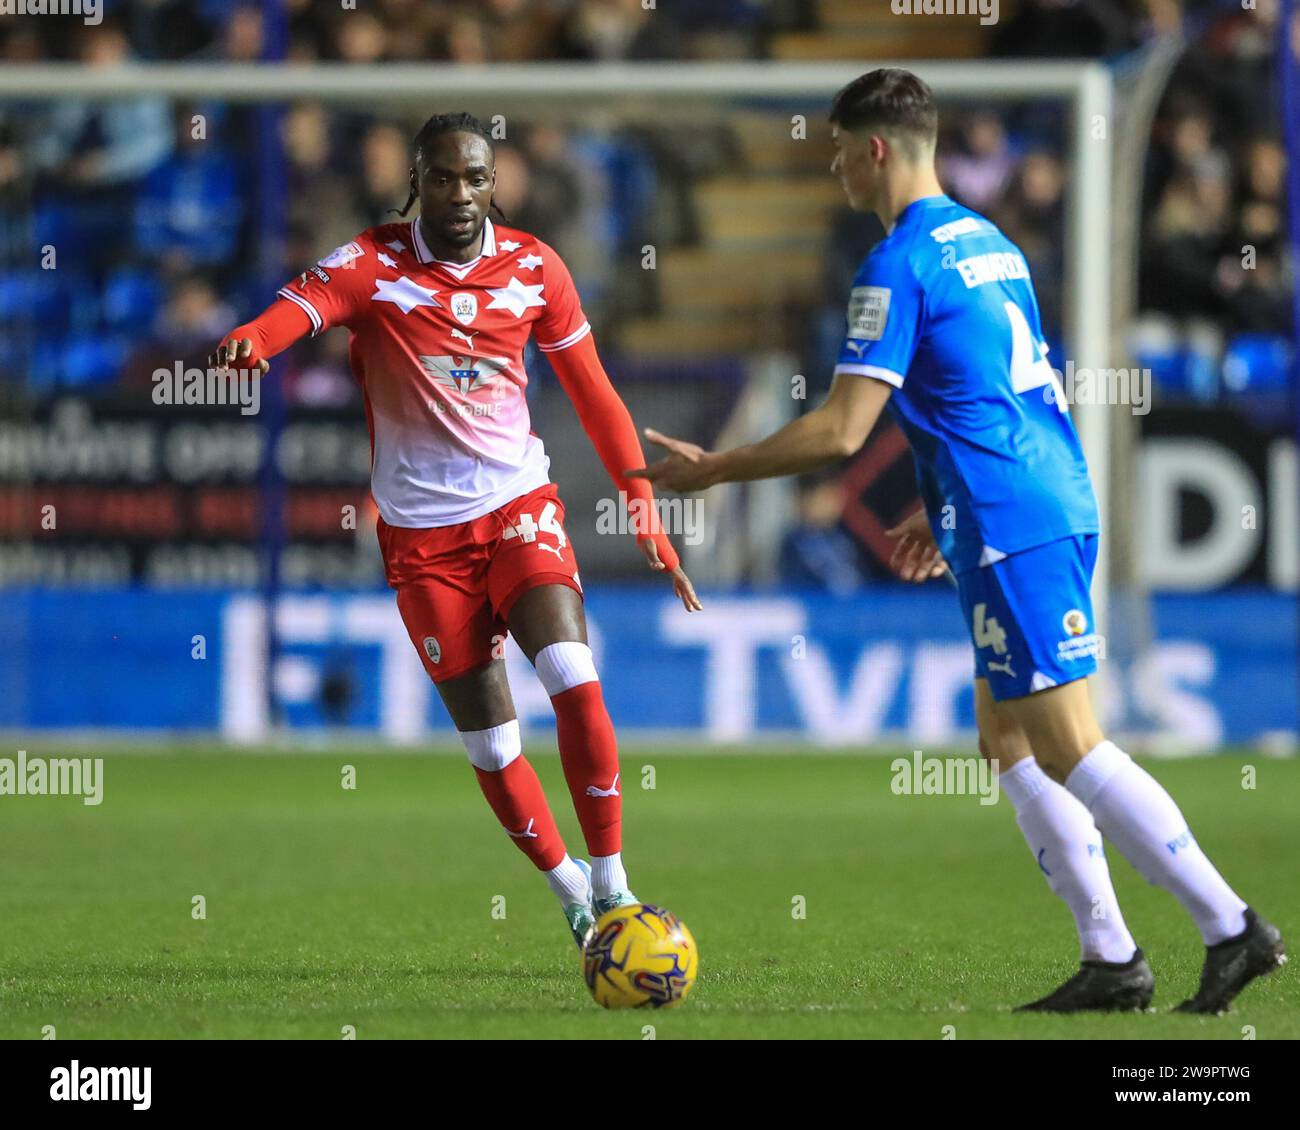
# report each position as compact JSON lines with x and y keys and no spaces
{"x":374,"y":907}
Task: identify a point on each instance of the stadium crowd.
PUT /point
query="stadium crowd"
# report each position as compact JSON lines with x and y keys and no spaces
{"x":154,"y":238}
{"x":178,"y":267}
{"x":1216,"y":271}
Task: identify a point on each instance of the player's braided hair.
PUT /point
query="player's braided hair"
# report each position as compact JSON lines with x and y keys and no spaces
{"x":437,"y":126}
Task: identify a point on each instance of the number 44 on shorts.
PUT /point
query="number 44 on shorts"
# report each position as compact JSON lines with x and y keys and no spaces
{"x":988,"y":632}
{"x":528,"y":526}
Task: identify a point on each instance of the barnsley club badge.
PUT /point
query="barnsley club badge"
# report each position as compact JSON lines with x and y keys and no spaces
{"x":465,"y":307}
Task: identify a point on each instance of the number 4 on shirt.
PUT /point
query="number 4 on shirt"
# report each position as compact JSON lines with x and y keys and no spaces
{"x":1028,"y":370}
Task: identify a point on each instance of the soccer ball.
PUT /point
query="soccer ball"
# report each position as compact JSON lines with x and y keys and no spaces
{"x":640,"y":956}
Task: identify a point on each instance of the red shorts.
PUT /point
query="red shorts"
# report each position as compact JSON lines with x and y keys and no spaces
{"x":456,"y":584}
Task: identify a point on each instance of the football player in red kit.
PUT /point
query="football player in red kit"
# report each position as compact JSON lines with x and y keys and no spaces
{"x":472,"y":530}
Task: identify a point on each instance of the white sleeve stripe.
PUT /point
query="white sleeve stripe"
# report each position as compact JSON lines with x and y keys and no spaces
{"x":564,"y":342}
{"x":317,"y":322}
{"x":887,"y":375}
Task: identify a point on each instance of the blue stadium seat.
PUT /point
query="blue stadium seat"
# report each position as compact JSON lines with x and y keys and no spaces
{"x":1179,"y":370}
{"x":57,"y":223}
{"x":90,"y":359}
{"x":190,"y":204}
{"x":131,"y":299}
{"x":1258,"y":364}
{"x":51,"y":302}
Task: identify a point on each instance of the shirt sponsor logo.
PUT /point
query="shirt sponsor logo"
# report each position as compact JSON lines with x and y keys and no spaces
{"x":967,"y":225}
{"x":464,"y":374}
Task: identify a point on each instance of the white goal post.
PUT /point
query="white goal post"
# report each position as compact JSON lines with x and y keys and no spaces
{"x":1085,"y":87}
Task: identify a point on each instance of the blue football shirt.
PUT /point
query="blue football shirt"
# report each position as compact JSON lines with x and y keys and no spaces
{"x":943,"y":310}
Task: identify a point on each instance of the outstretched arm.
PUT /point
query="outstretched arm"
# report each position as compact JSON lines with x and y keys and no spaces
{"x":608,"y":424}
{"x":251,"y":345}
{"x":833,"y":430}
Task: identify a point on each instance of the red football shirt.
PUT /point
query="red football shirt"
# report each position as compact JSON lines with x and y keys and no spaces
{"x":438,"y":348}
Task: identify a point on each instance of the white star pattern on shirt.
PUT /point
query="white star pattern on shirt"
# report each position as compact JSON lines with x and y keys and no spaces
{"x":516,"y":297}
{"x":530,"y":262}
{"x":509,"y":245}
{"x":387,"y":260}
{"x":396,"y":245}
{"x":404,"y":294}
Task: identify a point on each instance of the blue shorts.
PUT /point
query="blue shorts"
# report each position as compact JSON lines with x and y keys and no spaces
{"x":1030,"y":617}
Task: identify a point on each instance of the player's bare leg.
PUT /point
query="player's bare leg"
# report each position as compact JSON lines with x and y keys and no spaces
{"x":1141,"y":819}
{"x":1066,"y":845}
{"x":483,"y":711}
{"x":550,"y":627}
{"x":1060,"y":726}
{"x":479,"y":699}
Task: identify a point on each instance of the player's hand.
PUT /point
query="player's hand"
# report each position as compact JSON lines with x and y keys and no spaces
{"x":681,"y":582}
{"x":237,"y":353}
{"x":916,"y":557}
{"x":687,"y":467}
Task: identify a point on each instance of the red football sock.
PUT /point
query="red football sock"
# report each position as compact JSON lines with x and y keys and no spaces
{"x":589,"y":754}
{"x":516,"y":797}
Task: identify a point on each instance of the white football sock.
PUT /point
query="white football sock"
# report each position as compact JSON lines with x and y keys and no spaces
{"x":562,"y":666}
{"x":568,"y":882}
{"x":1067,"y":846}
{"x":1136,"y":814}
{"x":607,"y":874}
{"x":493,"y":749}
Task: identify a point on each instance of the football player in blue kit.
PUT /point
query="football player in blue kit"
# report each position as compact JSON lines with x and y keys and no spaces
{"x":944,"y":330}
